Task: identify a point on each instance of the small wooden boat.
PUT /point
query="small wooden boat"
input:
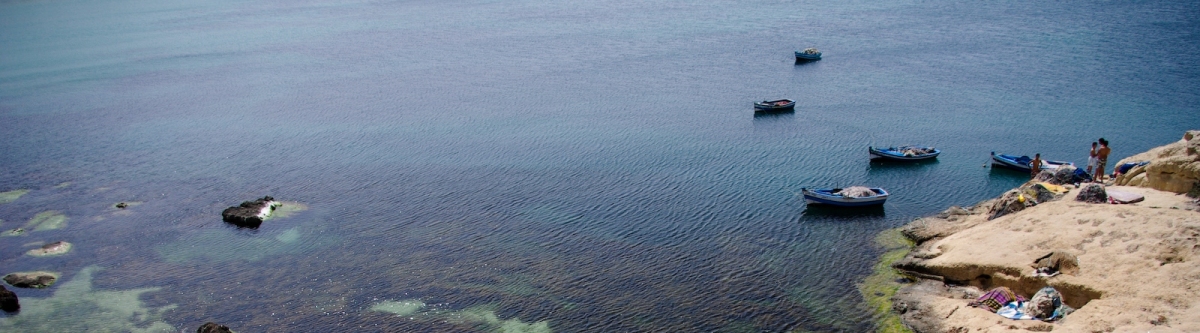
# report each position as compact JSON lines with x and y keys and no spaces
{"x":1023,"y":163}
{"x":904,"y":153}
{"x":809,"y":54}
{"x":838,"y":197}
{"x":775,"y":106}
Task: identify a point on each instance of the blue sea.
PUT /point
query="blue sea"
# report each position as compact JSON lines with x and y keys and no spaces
{"x":534,"y":166}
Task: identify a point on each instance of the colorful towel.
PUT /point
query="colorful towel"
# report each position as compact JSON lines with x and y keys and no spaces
{"x":1014,"y":311}
{"x":996,"y":298}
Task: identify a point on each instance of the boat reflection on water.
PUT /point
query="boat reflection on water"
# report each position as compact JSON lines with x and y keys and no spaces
{"x":843,"y":213}
{"x":880,"y":164}
{"x":788,"y":114}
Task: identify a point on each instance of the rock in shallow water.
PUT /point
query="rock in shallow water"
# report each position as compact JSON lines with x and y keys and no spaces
{"x":250,"y":214}
{"x":56,"y":248}
{"x":211,"y":327}
{"x":8,"y":300}
{"x":31,"y":279}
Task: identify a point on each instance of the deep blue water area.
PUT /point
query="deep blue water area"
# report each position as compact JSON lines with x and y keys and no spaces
{"x":589,"y":166}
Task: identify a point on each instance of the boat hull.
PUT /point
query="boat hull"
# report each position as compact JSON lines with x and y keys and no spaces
{"x":826,"y":197}
{"x":1021,"y":163}
{"x":896,"y":155}
{"x":775,"y":106}
{"x":801,"y":56}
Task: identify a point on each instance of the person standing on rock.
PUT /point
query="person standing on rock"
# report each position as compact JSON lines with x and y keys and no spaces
{"x":1091,"y":164}
{"x":1035,"y":166}
{"x":1101,"y":159}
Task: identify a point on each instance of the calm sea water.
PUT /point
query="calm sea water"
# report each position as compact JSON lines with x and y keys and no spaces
{"x":531,"y":165}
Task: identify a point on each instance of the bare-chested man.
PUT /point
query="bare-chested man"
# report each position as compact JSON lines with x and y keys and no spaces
{"x":1102,"y":159}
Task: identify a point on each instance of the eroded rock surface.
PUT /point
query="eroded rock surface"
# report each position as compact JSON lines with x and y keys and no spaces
{"x":1173,"y":168}
{"x":38,"y":279}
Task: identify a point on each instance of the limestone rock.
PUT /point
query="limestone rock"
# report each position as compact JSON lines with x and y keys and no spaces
{"x":1174,"y":167}
{"x":8,"y":300}
{"x":1092,"y":193}
{"x":953,"y":211}
{"x":31,"y":279}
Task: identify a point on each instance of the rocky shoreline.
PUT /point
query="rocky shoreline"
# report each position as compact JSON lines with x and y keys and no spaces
{"x":1138,"y":263}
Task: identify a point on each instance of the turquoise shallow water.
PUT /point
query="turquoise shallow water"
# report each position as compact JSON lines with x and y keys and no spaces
{"x":542,"y":165}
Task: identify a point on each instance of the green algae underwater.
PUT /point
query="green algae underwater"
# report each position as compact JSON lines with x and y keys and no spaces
{"x":879,"y":287}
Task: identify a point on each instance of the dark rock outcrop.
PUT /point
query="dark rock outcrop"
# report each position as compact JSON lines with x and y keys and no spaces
{"x":31,"y":279}
{"x":211,"y":327}
{"x":8,"y":300}
{"x":1011,"y":202}
{"x":250,"y":214}
{"x":1092,"y":193}
{"x":1039,"y":193}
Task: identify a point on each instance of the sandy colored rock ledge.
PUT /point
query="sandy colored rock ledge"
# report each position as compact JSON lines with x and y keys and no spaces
{"x":1138,"y":265}
{"x":1174,"y":167}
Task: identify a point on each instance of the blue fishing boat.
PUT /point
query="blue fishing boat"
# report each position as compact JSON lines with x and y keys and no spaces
{"x":778,"y":105}
{"x":1023,"y":163}
{"x":809,"y":54}
{"x":840,"y":197}
{"x":904,"y":153}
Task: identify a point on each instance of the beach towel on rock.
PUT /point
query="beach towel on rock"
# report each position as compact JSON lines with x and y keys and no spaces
{"x":1014,"y":311}
{"x":1056,"y":189}
{"x":996,"y":298}
{"x":1122,"y":197}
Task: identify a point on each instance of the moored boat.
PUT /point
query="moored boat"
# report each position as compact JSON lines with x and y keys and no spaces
{"x":808,"y":54}
{"x":775,"y":106}
{"x":1023,"y":163}
{"x":848,"y":197}
{"x":904,"y":153}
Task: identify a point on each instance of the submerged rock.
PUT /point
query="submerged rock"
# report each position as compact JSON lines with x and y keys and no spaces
{"x":250,"y":214}
{"x":1092,"y":193}
{"x":38,"y":279}
{"x":75,"y":306}
{"x":14,"y":232}
{"x":8,"y":300}
{"x":56,"y":248}
{"x":10,"y":196}
{"x":47,"y":220}
{"x":211,"y":327}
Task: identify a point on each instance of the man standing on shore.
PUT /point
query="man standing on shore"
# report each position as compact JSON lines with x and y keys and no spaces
{"x":1101,"y":160}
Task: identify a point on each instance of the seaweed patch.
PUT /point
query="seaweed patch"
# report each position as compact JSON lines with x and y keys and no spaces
{"x":76,"y":307}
